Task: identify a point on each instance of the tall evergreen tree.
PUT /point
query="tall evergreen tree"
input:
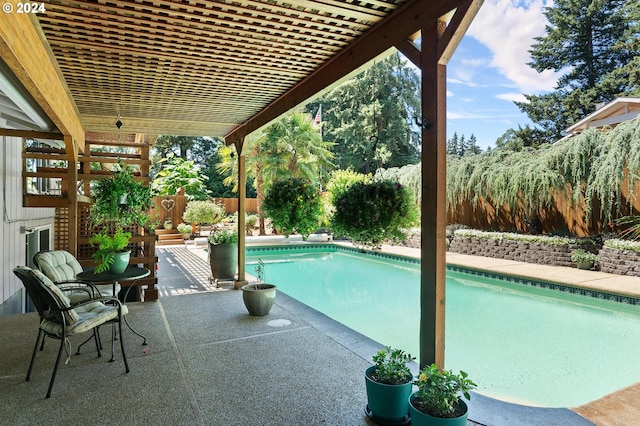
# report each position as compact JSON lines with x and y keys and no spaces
{"x":370,"y":117}
{"x":593,"y":42}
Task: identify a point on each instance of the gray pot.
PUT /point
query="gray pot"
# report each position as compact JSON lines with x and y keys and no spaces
{"x":223,"y":259}
{"x":258,"y":298}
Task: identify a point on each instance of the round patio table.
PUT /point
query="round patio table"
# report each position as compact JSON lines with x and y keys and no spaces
{"x":132,"y":273}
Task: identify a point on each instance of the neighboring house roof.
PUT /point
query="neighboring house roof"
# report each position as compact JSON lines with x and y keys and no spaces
{"x":612,"y":114}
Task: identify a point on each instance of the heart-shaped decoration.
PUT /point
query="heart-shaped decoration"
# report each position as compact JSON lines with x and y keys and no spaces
{"x":168,"y":204}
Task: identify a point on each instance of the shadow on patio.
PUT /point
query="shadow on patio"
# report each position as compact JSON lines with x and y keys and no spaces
{"x":209,"y":363}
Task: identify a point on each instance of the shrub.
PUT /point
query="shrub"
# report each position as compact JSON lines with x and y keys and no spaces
{"x":203,"y":212}
{"x":623,"y":245}
{"x":581,"y":256}
{"x":294,"y":205}
{"x":371,"y":213}
{"x":341,"y":180}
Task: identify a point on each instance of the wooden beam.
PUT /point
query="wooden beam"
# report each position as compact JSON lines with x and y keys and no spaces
{"x":242,"y":196}
{"x":456,"y":29}
{"x":30,"y":134}
{"x":24,"y":49}
{"x":433,"y":248}
{"x":410,"y":50}
{"x":411,"y":17}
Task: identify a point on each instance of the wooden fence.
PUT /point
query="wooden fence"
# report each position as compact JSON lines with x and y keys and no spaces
{"x":561,"y":217}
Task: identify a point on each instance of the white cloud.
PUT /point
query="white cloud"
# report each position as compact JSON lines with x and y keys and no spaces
{"x":512,"y":97}
{"x":507,"y":28}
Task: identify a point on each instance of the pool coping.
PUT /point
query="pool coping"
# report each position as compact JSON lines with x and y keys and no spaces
{"x":594,"y":284}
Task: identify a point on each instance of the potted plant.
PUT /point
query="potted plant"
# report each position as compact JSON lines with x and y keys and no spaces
{"x":111,"y":254}
{"x":370,"y":213}
{"x":250,"y":223}
{"x":388,"y":385}
{"x":259,"y":297}
{"x":438,"y":400}
{"x":185,"y":230}
{"x":223,"y":253}
{"x":203,"y":212}
{"x":168,"y":224}
{"x":583,"y":259}
{"x":294,"y":205}
{"x":119,"y":201}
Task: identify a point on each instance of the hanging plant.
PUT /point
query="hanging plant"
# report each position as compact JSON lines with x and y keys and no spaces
{"x":109,"y":206}
{"x":294,"y":205}
{"x":372,"y":213}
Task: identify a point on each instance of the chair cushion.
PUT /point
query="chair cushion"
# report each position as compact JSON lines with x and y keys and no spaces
{"x":90,"y":315}
{"x":63,"y":301}
{"x":59,"y":265}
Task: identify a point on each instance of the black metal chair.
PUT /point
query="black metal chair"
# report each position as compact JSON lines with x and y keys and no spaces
{"x":59,"y":319}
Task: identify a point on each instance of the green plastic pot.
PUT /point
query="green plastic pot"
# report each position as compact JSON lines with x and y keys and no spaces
{"x":418,"y":418}
{"x":387,"y":403}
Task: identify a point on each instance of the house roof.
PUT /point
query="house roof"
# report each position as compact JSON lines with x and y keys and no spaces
{"x":611,"y":114}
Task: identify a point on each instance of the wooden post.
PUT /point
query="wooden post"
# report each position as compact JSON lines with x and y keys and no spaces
{"x":72,"y":194}
{"x":242,"y":196}
{"x":433,"y":251}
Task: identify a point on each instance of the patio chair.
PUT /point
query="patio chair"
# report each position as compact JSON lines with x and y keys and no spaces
{"x":59,"y":319}
{"x":62,"y":267}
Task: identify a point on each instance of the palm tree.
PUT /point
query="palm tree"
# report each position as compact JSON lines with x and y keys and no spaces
{"x":292,"y":147}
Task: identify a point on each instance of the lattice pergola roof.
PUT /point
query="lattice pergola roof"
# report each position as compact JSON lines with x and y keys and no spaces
{"x":195,"y":67}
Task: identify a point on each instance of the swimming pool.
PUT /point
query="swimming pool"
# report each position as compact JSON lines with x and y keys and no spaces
{"x":520,"y":343}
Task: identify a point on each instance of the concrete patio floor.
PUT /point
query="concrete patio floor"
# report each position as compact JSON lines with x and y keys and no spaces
{"x":209,"y":363}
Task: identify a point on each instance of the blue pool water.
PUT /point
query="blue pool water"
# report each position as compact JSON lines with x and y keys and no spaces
{"x":524,"y":344}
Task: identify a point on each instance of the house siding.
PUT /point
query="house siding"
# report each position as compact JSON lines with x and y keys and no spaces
{"x":15,"y":219}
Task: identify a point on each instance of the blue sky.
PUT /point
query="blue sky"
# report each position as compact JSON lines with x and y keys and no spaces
{"x":489,"y":70}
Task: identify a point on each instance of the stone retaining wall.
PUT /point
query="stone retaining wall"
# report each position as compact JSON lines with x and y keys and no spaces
{"x":613,"y":261}
{"x":546,"y":254}
{"x":621,"y":262}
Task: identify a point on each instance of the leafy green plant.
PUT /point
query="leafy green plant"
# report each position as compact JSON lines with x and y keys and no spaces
{"x":183,"y":228}
{"x":371,"y":213}
{"x":391,"y":366}
{"x":179,"y":174}
{"x":582,"y":256}
{"x":223,"y":236}
{"x":631,"y":225}
{"x":439,"y":391}
{"x":294,"y":205}
{"x":259,"y":270}
{"x":623,"y":245}
{"x":341,"y":180}
{"x":108,"y":246}
{"x":109,"y":208}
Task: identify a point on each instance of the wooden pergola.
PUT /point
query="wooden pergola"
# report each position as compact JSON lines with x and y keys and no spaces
{"x":226,"y":69}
